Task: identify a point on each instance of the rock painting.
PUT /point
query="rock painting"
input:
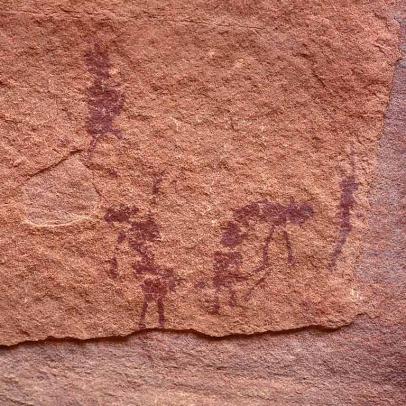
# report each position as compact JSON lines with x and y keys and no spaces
{"x":104,"y":98}
{"x":141,"y":233}
{"x":227,"y":262}
{"x":348,"y":187}
{"x":226,"y":274}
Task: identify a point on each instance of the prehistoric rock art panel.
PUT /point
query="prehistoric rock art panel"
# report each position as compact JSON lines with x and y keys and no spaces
{"x":190,"y":217}
{"x":104,"y":98}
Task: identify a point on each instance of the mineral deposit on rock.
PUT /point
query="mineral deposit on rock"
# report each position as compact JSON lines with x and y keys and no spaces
{"x":204,"y":165}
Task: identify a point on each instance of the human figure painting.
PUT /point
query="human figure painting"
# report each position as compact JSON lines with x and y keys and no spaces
{"x":104,"y":98}
{"x":155,"y":281}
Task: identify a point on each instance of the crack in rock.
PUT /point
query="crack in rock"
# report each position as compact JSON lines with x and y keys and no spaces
{"x":60,"y":194}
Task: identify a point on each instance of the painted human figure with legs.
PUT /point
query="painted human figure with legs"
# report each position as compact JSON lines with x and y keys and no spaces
{"x":140,"y":234}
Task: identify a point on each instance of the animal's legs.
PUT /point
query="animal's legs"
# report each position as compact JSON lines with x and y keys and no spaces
{"x":216,"y":305}
{"x":96,"y":138}
{"x":143,"y":314}
{"x":265,"y":251}
{"x":161,"y":314}
{"x":265,"y":262}
{"x":113,"y":267}
{"x":289,"y":247}
{"x":232,"y":300}
{"x":260,"y":281}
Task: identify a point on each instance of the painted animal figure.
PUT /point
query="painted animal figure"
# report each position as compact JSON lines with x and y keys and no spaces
{"x":274,"y":215}
{"x":227,"y":262}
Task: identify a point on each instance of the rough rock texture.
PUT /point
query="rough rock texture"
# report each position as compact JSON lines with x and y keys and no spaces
{"x":360,"y":364}
{"x":199,"y":165}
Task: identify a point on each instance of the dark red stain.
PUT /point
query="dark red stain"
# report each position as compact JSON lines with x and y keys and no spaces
{"x":104,"y":99}
{"x":348,"y":187}
{"x":274,"y":215}
{"x":113,"y":267}
{"x":156,"y":282}
{"x":112,"y":173}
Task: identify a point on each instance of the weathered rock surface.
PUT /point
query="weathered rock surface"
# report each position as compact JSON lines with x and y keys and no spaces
{"x":361,"y":364}
{"x":203,"y":166}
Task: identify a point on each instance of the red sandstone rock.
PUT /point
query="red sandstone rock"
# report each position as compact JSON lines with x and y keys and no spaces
{"x":203,"y":166}
{"x":361,"y":364}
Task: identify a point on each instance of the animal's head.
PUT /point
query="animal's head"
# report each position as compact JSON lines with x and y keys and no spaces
{"x":298,"y":213}
{"x":120,"y":214}
{"x":247,"y":213}
{"x":233,"y":232}
{"x":232,"y":235}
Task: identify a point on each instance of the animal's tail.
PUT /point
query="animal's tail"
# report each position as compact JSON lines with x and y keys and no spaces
{"x":262,"y":274}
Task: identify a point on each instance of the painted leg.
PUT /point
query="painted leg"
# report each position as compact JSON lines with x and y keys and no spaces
{"x":92,"y":146}
{"x":161,"y":314}
{"x":232,"y":300}
{"x":291,"y":260}
{"x":265,"y":251}
{"x":113,"y":267}
{"x":259,"y":282}
{"x":264,"y":265}
{"x":143,"y":314}
{"x":216,"y":305}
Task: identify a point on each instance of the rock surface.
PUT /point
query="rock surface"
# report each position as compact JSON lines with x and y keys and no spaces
{"x":204,"y":166}
{"x":360,"y":364}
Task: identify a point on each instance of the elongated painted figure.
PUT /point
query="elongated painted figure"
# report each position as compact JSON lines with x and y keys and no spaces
{"x":104,"y":99}
{"x":347,"y":202}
